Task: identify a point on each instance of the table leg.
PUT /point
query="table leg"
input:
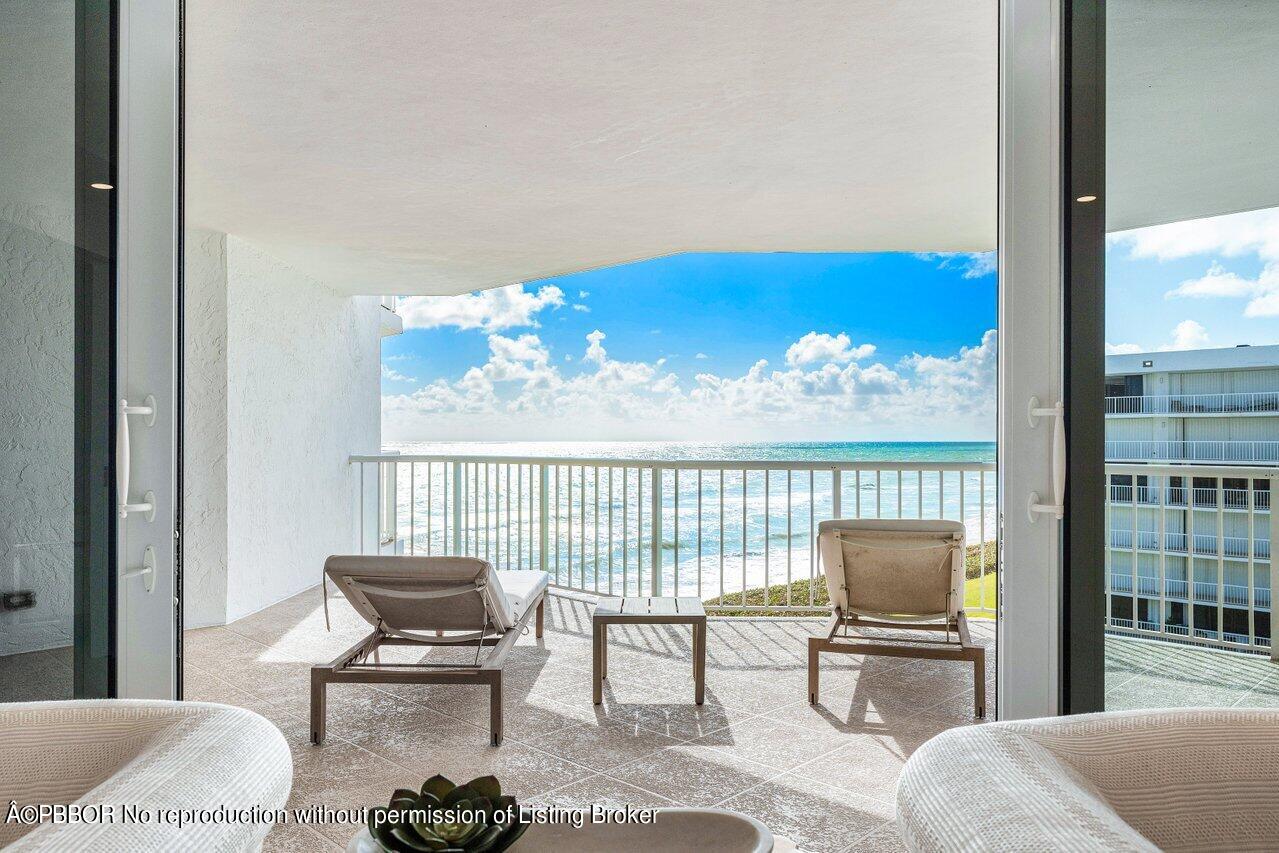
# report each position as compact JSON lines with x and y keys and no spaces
{"x":597,"y":661}
{"x":603,"y":650}
{"x":699,"y":662}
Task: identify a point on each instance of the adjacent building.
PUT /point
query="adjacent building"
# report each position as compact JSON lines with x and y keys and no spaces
{"x":1192,"y":451}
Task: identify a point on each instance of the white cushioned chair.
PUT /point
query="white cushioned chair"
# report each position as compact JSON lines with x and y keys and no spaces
{"x":145,"y":754}
{"x":461,"y":600}
{"x":901,"y":575}
{"x":1187,"y":779}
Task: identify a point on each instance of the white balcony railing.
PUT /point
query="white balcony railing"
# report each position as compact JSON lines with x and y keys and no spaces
{"x":1198,"y":575}
{"x":711,"y":529}
{"x":1208,"y":452}
{"x":1238,"y":403}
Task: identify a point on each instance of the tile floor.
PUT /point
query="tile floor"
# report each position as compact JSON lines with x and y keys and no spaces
{"x":822,"y":775}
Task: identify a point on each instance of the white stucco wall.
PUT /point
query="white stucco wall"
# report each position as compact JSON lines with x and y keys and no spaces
{"x":273,"y":411}
{"x":37,"y":340}
{"x":205,"y":448}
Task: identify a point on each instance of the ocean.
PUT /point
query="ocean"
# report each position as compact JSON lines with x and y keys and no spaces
{"x":721,"y":530}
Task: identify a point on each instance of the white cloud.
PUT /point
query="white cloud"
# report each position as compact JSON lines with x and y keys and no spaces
{"x":595,"y":347}
{"x":973,"y":264}
{"x":394,"y":375}
{"x":1187,"y":334}
{"x":585,"y":309}
{"x":1216,"y":282}
{"x":1233,"y":235}
{"x":524,"y":386}
{"x":701,"y":355}
{"x":1262,"y":292}
{"x":821,"y":347}
{"x":490,"y":310}
{"x":582,"y":294}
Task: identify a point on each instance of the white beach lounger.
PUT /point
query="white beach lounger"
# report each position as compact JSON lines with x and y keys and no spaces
{"x":401,"y":597}
{"x":902,"y":574}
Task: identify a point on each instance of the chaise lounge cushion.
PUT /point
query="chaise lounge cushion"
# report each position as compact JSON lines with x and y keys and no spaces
{"x":522,"y":588}
{"x":1186,"y":779}
{"x":146,"y":754}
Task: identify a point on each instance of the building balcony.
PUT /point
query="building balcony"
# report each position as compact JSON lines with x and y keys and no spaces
{"x":1192,"y":405}
{"x":1205,"y":452}
{"x":1231,"y":500}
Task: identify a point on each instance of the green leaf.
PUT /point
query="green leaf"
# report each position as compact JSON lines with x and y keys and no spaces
{"x":459,"y":794}
{"x":485,"y":806}
{"x":510,"y":835}
{"x":438,"y":786}
{"x":486,"y":786}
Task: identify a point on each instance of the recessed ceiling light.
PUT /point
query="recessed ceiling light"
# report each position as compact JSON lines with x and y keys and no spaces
{"x":1087,"y":198}
{"x":98,"y":185}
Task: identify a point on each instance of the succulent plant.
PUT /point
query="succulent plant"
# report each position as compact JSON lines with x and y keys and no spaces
{"x":447,"y":818}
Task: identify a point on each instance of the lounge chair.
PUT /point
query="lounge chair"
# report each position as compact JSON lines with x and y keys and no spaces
{"x":896,"y":574}
{"x":460,"y":599}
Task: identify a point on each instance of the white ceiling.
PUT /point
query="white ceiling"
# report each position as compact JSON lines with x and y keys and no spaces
{"x":401,"y":146}
{"x":1192,"y":118}
{"x":439,"y":147}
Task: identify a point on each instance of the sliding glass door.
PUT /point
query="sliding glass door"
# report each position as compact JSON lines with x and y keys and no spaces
{"x":1172,"y":223}
{"x":57,"y":336}
{"x":89,"y":249}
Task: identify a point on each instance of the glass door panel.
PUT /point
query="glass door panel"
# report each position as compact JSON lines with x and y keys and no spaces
{"x":57,"y":303}
{"x":1191,"y":388}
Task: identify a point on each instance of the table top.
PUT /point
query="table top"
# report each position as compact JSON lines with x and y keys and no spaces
{"x":641,"y":608}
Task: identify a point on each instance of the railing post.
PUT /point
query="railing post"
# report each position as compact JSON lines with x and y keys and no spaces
{"x":836,"y":493}
{"x":656,"y":510}
{"x":543,"y":516}
{"x":1270,"y":563}
{"x":457,"y":508}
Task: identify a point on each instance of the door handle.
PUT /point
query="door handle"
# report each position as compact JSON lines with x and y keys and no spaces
{"x":123,"y":462}
{"x":147,"y":572}
{"x":1057,"y":412}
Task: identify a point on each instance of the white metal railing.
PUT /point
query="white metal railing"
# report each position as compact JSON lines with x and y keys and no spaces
{"x":1241,"y":403}
{"x":1195,"y":556}
{"x":1223,"y":452}
{"x":712,"y":529}
{"x":1231,"y":499}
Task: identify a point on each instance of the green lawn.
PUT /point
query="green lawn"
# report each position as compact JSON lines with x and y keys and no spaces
{"x":799,"y":590}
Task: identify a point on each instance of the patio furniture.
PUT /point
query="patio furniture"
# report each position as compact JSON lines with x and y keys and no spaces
{"x":145,"y":755}
{"x":898,"y":574}
{"x":647,"y":611}
{"x":460,"y":599}
{"x":1173,"y":779}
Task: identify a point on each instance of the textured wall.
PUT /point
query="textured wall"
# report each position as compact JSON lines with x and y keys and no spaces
{"x":283,"y":385}
{"x":204,"y":506}
{"x":37,"y":342}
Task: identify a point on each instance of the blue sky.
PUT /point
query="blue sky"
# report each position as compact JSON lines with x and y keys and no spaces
{"x":683,"y":338}
{"x":799,"y":347}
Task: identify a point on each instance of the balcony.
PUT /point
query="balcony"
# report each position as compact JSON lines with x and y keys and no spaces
{"x":1231,"y":500}
{"x":1190,"y":405}
{"x":723,"y":531}
{"x":1206,"y":452}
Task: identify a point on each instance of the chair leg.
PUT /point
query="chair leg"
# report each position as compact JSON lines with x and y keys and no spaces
{"x":597,"y":663}
{"x":318,"y":705}
{"x":541,"y":616}
{"x":813,"y":659}
{"x":979,"y":683}
{"x":495,"y":708}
